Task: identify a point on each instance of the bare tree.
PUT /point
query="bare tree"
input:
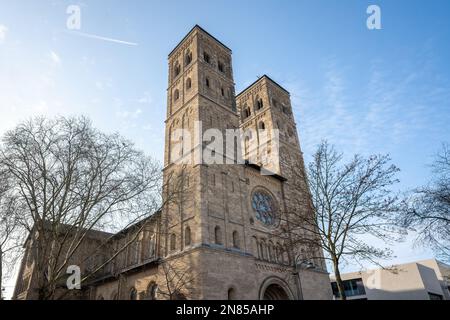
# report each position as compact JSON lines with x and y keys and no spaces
{"x":427,"y":209}
{"x":11,"y":232}
{"x":69,"y":179}
{"x":178,"y":279}
{"x":342,"y":205}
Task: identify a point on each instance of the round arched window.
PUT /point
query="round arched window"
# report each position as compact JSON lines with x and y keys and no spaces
{"x":264,"y":206}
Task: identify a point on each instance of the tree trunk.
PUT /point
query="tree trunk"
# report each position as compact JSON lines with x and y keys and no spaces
{"x":339,"y":282}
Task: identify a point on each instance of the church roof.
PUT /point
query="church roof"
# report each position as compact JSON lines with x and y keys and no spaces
{"x":265,"y":76}
{"x":197,"y":27}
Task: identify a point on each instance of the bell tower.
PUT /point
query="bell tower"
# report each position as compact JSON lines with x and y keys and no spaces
{"x":200,"y":96}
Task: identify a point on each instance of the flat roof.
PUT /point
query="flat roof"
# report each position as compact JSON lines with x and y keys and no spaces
{"x":203,"y":30}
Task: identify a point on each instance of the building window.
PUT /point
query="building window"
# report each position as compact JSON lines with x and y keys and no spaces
{"x":236,"y":240}
{"x":152,"y":291}
{"x":231,"y":294}
{"x":290,"y":132}
{"x":262,"y":125}
{"x":217,"y":235}
{"x":177,"y":69}
{"x":270,"y":248}
{"x":207,"y":83}
{"x":173,"y":242}
{"x":279,"y":253}
{"x":137,"y":251}
{"x":188,"y":58}
{"x":247,"y":112}
{"x":262,"y":249}
{"x":264,"y":206}
{"x":279,"y":125}
{"x":176,"y":95}
{"x":151,"y":244}
{"x":100,"y":297}
{"x":222,"y":91}
{"x":206,"y":57}
{"x":259,"y":104}
{"x":187,"y":236}
{"x":274,"y":103}
{"x":133,"y":294}
{"x":188,"y":83}
{"x":353,"y":287}
{"x":247,"y":146}
{"x":221,"y":66}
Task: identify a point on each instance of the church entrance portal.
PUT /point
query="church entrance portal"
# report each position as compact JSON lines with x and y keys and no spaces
{"x":275,"y":292}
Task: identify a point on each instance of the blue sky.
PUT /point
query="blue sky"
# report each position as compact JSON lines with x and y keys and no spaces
{"x":367,"y":91}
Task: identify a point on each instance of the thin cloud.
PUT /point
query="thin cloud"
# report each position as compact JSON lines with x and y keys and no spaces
{"x":3,"y":32}
{"x":393,"y":108}
{"x":55,"y":57}
{"x":93,"y":36}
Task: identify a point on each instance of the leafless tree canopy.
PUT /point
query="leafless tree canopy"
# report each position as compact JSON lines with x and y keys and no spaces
{"x":428,"y":208}
{"x":66,"y":179}
{"x":349,"y":202}
{"x":11,"y":237}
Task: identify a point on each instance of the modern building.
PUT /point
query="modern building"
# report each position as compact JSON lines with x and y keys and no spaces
{"x":421,"y":280}
{"x":222,"y":240}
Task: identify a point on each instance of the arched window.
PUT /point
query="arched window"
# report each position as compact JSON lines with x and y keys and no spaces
{"x":274,"y":103}
{"x":187,"y":236}
{"x":133,"y":294}
{"x":176,"y":69}
{"x":247,"y":145}
{"x":188,"y":83}
{"x":262,"y":247}
{"x":247,"y":112}
{"x":259,"y":104}
{"x":137,"y":252}
{"x":217,"y":235}
{"x":290,"y":132}
{"x":173,"y":242}
{"x":285,"y":256}
{"x":262,"y":125}
{"x":100,"y":297}
{"x":151,"y":247}
{"x":231,"y":294}
{"x":236,"y":240}
{"x":152,"y":291}
{"x":188,"y":57}
{"x":279,"y":253}
{"x":206,"y":57}
{"x":255,"y":246}
{"x":176,"y":95}
{"x":279,"y":125}
{"x":208,"y":85}
{"x":222,"y":92}
{"x":271,"y":254}
{"x":220,"y":66}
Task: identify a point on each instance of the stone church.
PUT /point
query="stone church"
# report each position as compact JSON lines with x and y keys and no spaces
{"x":220,"y":238}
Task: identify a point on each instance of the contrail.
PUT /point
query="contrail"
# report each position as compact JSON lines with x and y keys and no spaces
{"x":93,"y":36}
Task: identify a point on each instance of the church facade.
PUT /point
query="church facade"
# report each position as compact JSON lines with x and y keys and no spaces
{"x":220,"y":238}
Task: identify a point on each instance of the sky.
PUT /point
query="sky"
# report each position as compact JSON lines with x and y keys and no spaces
{"x":366,"y":91}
